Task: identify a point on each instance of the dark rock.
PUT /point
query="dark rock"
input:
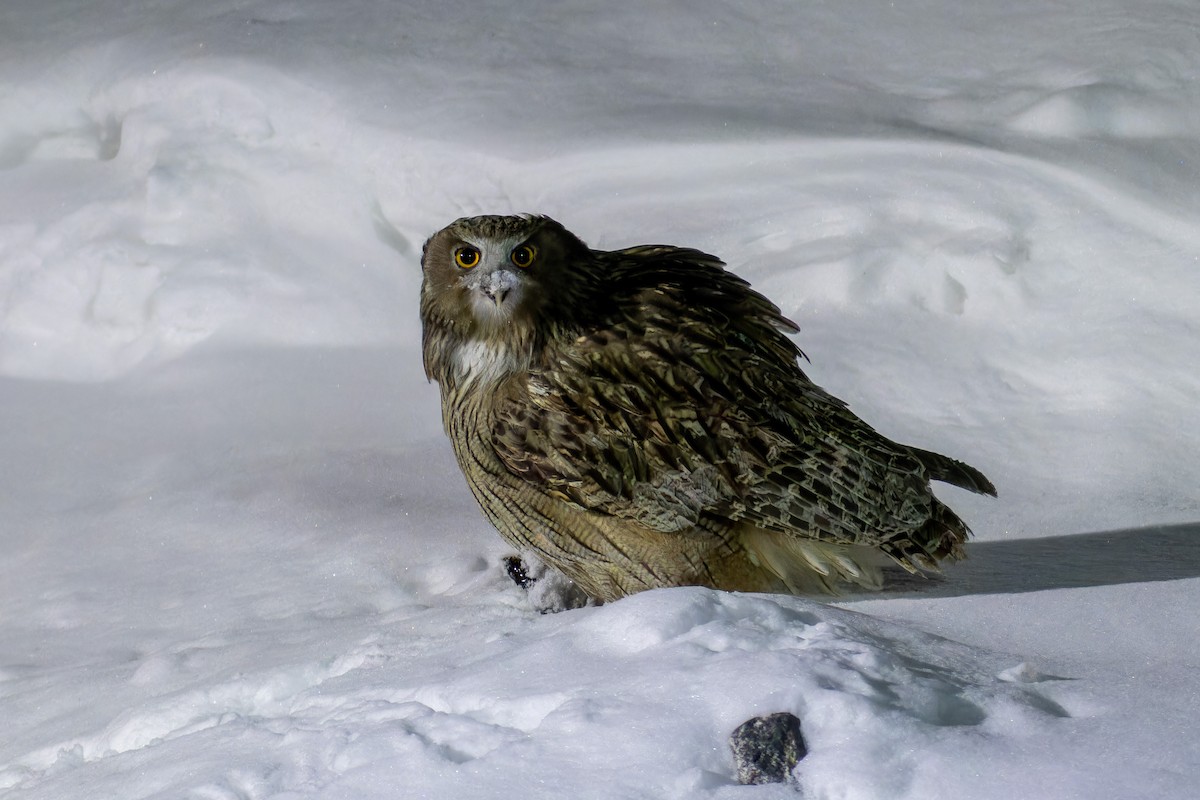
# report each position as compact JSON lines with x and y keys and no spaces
{"x":767,"y":749}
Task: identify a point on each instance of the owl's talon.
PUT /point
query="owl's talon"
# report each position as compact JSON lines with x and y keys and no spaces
{"x":515,"y":567}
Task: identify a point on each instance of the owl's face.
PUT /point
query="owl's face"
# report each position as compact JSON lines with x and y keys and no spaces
{"x":497,"y":271}
{"x":499,"y":281}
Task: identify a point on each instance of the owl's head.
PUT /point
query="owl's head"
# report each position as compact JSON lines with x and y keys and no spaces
{"x":504,"y":281}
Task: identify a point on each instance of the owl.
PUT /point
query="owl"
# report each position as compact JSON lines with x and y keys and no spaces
{"x":638,"y":418}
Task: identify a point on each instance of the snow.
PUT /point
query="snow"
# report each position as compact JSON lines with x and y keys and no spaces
{"x":239,"y":560}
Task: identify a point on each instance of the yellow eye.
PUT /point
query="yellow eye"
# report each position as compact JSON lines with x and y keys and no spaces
{"x":524,"y":255}
{"x":466,"y":257}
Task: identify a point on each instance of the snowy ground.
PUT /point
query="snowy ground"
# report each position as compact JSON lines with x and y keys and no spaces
{"x":238,"y":561}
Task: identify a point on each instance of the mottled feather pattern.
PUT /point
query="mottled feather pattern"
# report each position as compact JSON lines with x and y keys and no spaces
{"x":664,"y":424}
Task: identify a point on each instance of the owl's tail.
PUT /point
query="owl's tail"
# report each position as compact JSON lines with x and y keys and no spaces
{"x":948,"y":470}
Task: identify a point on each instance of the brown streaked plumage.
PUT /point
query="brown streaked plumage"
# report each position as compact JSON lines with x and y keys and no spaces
{"x":638,"y":418}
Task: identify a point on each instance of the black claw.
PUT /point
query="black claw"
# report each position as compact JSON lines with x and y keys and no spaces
{"x":515,"y":568}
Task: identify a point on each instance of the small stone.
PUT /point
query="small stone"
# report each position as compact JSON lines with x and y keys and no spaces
{"x":767,"y":749}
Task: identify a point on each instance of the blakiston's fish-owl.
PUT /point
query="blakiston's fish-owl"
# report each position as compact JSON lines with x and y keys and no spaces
{"x":638,"y":418}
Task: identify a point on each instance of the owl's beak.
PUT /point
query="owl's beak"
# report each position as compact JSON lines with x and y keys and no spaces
{"x":497,"y":294}
{"x":499,"y":285}
{"x":494,"y":295}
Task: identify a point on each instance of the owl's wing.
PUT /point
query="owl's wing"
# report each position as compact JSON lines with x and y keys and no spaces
{"x":685,"y":408}
{"x":647,"y":438}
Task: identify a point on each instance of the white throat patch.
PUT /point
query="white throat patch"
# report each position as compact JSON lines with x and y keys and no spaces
{"x":478,"y":361}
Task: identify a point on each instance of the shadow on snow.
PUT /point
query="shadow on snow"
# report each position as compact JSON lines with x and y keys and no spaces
{"x":1132,"y":555}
